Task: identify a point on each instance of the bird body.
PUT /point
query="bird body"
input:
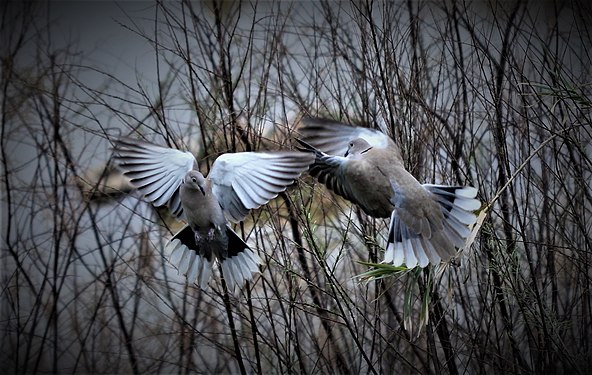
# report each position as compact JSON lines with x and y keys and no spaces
{"x":210,"y":230}
{"x":427,"y":222}
{"x":197,"y":197}
{"x":237,"y":183}
{"x":378,"y":204}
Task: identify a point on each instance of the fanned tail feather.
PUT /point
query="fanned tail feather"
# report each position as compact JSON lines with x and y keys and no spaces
{"x":238,"y":267}
{"x":412,"y":249}
{"x":241,"y":263}
{"x":195,"y":267}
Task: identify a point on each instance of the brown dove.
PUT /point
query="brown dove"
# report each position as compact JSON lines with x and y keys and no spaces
{"x":427,"y":222}
{"x":236,"y":184}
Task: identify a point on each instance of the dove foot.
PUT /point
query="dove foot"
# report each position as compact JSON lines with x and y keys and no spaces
{"x":211,"y":234}
{"x":198,"y":237}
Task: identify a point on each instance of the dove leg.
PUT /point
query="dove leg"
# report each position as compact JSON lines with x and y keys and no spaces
{"x":211,"y":234}
{"x":198,"y":237}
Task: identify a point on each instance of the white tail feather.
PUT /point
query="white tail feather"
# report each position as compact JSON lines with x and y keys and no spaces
{"x":240,"y":268}
{"x":430,"y":251}
{"x":236,"y":269}
{"x":196,"y":268}
{"x":420,"y":252}
{"x":434,"y":246}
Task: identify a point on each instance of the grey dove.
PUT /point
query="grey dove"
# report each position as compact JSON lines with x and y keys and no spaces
{"x":237,"y":183}
{"x":427,"y":222}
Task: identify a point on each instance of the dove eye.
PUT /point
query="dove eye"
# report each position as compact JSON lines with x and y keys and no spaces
{"x":194,"y":179}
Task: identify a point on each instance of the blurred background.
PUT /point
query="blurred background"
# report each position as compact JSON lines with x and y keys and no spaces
{"x":494,"y":94}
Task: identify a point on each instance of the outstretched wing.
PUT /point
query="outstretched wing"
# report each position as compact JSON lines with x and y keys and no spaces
{"x":246,"y":180}
{"x":333,"y":138}
{"x":331,"y":171}
{"x":154,"y":170}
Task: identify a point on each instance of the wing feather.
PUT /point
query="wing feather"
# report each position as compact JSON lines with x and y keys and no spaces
{"x":247,"y":180}
{"x":157,"y":172}
{"x":333,"y":137}
{"x":332,"y":171}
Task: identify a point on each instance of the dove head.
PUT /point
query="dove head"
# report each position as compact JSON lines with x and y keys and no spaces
{"x":195,"y":180}
{"x":357,"y":146}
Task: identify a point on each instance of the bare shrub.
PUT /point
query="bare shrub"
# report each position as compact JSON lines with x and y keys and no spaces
{"x":496,"y":95}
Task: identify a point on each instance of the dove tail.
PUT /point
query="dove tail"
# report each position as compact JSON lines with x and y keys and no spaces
{"x":185,"y":255}
{"x":406,"y":247}
{"x":196,"y":263}
{"x":241,"y":263}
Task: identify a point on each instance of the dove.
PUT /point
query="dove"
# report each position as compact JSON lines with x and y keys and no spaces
{"x":427,"y":222}
{"x":237,"y":183}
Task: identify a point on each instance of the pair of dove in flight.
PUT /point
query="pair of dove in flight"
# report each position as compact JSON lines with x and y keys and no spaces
{"x":363,"y":165}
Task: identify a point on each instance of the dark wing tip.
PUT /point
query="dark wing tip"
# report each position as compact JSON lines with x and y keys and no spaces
{"x":305,"y":146}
